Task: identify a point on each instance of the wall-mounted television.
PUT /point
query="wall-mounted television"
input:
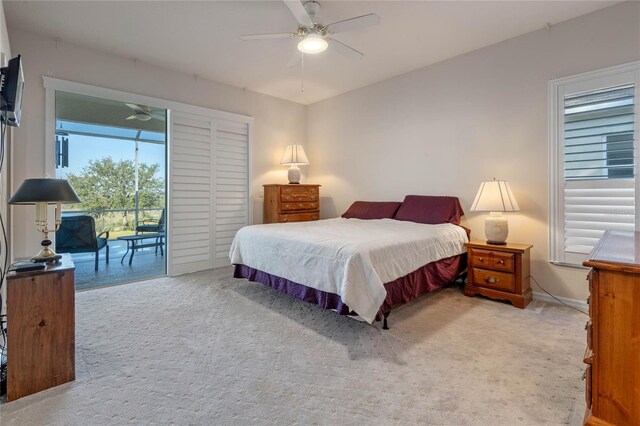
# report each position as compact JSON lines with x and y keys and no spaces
{"x":11,"y":88}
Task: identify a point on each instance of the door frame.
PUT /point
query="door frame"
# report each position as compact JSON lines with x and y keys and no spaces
{"x":51,"y":85}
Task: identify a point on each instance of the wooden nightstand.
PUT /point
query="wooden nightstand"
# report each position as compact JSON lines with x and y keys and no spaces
{"x":40,"y":328}
{"x":291,"y":203}
{"x":499,"y":272}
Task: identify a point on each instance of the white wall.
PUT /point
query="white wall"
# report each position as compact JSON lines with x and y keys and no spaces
{"x":277,"y":122}
{"x":445,"y":128}
{"x":5,"y":55}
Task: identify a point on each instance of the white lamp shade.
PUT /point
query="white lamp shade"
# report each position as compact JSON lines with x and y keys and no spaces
{"x":294,"y":154}
{"x":495,"y":196}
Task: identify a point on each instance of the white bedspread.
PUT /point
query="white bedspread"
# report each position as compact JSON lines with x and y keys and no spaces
{"x":349,"y":257}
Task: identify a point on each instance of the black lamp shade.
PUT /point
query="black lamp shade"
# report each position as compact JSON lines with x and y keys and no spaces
{"x":45,"y":191}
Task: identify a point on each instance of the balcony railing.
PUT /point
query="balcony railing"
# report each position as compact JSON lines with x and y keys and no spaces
{"x":118,"y":222}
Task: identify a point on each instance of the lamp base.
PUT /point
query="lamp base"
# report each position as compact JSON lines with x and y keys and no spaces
{"x":496,"y":229}
{"x":46,"y":255}
{"x":293,"y":174}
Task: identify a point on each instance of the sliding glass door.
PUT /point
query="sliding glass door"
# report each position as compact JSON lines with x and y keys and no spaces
{"x":115,"y":156}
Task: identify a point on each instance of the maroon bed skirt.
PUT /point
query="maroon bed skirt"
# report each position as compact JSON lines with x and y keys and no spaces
{"x":430,"y":277}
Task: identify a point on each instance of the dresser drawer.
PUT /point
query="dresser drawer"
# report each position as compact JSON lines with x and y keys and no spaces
{"x":298,"y":193}
{"x":298,"y":217}
{"x":299,"y":206}
{"x":493,"y":279}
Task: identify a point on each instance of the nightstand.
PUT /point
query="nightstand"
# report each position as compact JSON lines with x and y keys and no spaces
{"x":499,"y":272}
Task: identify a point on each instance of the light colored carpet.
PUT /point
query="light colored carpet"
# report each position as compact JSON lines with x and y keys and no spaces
{"x":208,"y":349}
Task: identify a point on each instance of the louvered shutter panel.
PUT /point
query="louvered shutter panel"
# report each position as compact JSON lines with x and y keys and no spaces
{"x":191,"y":221}
{"x":231,"y":185}
{"x":599,"y":167}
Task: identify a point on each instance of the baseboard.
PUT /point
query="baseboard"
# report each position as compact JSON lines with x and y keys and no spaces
{"x":575,"y":303}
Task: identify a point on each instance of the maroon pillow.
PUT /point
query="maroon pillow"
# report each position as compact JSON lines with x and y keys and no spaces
{"x":372,"y":210}
{"x":430,"y":209}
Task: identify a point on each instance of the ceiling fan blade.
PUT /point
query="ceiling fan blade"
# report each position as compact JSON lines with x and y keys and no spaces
{"x":132,"y":117}
{"x":299,"y":12}
{"x":158,"y":116}
{"x":247,"y":37}
{"x":135,"y":107}
{"x":345,"y":50}
{"x":354,"y":23}
{"x":295,"y":59}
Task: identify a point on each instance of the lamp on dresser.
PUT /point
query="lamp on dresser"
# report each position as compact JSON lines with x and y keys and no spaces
{"x":43,"y":192}
{"x":294,"y":156}
{"x":495,"y":197}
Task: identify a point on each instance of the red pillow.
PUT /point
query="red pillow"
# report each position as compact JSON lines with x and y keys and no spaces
{"x":372,"y":210}
{"x":430,"y":209}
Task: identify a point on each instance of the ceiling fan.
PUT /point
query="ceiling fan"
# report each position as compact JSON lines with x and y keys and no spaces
{"x":143,"y":113}
{"x":316,"y":37}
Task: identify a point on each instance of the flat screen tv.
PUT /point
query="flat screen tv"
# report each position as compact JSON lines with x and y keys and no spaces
{"x":12,"y":86}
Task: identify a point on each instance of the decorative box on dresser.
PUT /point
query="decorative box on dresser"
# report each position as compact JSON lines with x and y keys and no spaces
{"x":291,"y":203}
{"x":613,"y":331}
{"x":499,"y":272}
{"x":40,"y":329}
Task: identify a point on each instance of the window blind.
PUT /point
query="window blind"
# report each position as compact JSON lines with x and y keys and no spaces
{"x":599,"y":165}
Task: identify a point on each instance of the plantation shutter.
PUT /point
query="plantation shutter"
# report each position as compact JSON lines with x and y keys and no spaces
{"x":599,"y":165}
{"x":209,"y":185}
{"x":231,"y":185}
{"x":597,"y":180}
{"x":191,"y":219}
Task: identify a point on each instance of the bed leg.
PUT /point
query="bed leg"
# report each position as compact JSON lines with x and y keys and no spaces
{"x":385,"y":326}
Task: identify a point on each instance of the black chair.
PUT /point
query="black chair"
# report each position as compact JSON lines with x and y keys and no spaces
{"x":77,"y":234}
{"x":151,"y":225}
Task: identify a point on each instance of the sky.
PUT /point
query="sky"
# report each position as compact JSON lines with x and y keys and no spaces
{"x":82,"y":149}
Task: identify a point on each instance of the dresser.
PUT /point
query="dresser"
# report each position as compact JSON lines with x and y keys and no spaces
{"x":499,"y":272}
{"x":40,"y":329}
{"x":291,"y":203}
{"x":612,"y":357}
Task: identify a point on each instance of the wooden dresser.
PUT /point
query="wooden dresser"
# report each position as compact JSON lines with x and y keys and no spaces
{"x":291,"y":203}
{"x":613,"y":331}
{"x":40,"y":329}
{"x":499,"y":272}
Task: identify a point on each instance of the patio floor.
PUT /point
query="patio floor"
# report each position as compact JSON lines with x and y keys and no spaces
{"x":146,"y":264}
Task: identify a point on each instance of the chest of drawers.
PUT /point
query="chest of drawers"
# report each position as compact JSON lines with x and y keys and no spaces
{"x":291,"y":203}
{"x":612,"y":358}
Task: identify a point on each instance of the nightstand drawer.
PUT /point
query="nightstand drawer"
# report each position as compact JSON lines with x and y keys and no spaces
{"x":299,"y":206}
{"x":480,"y":258}
{"x":493,"y":279}
{"x":298,"y":217}
{"x":502,"y":261}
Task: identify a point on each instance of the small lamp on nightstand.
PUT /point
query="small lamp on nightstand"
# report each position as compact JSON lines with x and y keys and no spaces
{"x":43,"y":192}
{"x":495,"y":197}
{"x":294,"y":156}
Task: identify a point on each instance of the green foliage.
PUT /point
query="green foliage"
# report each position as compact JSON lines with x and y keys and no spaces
{"x":106,"y":184}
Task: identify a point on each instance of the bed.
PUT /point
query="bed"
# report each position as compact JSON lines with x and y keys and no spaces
{"x":376,"y":256}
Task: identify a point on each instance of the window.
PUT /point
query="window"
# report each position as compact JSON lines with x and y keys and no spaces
{"x":593,"y":153}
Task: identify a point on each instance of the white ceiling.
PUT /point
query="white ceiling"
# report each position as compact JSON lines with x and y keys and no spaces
{"x":202,"y":37}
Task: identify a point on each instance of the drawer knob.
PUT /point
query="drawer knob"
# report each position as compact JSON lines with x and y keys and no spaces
{"x":491,"y":280}
{"x":481,"y":259}
{"x":500,"y":262}
{"x":300,"y":205}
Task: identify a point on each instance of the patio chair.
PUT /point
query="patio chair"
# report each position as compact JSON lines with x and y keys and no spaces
{"x":151,"y":225}
{"x":77,"y":234}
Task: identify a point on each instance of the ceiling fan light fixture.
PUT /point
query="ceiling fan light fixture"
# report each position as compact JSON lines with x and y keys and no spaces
{"x":313,"y":43}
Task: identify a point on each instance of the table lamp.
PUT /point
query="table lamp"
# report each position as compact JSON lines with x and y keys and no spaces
{"x":495,"y":197}
{"x":294,"y":156}
{"x":43,"y":192}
